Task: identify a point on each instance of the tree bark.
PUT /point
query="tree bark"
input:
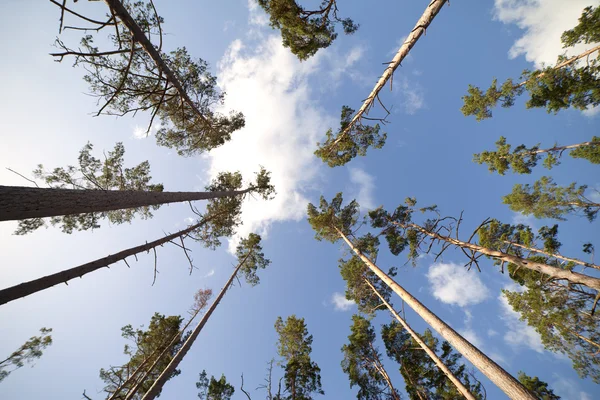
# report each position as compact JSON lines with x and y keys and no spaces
{"x":539,"y":251}
{"x":423,"y":23}
{"x":459,"y":385}
{"x":160,"y":381}
{"x":18,"y":202}
{"x":46,"y":282}
{"x":121,"y":12}
{"x":506,"y":382}
{"x":549,"y":270}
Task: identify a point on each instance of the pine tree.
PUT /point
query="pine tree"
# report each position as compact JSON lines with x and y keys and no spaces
{"x":423,"y":379}
{"x":250,"y":259}
{"x":214,"y":389}
{"x":302,"y":377}
{"x":19,"y":203}
{"x":156,"y":338}
{"x":568,"y":84}
{"x":522,"y":159}
{"x":136,"y":75}
{"x":353,"y":138}
{"x":221,"y":219}
{"x":304,"y":32}
{"x":28,"y":352}
{"x":545,"y":199}
{"x":362,"y":363}
{"x":332,"y":223}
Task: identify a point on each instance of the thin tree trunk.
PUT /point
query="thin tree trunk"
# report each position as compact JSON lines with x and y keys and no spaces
{"x":18,"y":202}
{"x":166,"y":373}
{"x":172,"y":342}
{"x":381,"y":369}
{"x":46,"y":282}
{"x":549,"y":270}
{"x":539,"y":251}
{"x":412,"y":383}
{"x":507,"y":383}
{"x":423,"y":23}
{"x":459,"y":385}
{"x":138,"y":35}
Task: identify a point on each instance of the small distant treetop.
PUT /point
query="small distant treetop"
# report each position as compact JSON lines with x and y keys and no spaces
{"x":31,"y":350}
{"x":214,"y":389}
{"x":304,"y":32}
{"x":540,"y":388}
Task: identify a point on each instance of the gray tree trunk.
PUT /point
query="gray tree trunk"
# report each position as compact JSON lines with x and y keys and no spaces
{"x":18,"y":202}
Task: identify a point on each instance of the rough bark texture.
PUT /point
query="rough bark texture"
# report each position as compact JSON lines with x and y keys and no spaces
{"x":160,"y":381}
{"x":37,"y":285}
{"x":422,"y":24}
{"x":549,"y":270}
{"x":568,"y":259}
{"x":459,"y":385}
{"x":506,"y":382}
{"x":18,"y":202}
{"x":121,"y":12}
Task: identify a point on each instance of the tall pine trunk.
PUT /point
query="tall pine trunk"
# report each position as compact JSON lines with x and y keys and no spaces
{"x":164,"y":376}
{"x":46,"y":282}
{"x":459,"y":385}
{"x":17,"y":202}
{"x":552,"y":272}
{"x":506,"y":382}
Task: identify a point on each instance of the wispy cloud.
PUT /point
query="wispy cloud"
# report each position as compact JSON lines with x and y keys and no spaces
{"x":363,"y":187}
{"x":568,"y":388}
{"x":453,"y":284}
{"x":341,"y":303}
{"x":542,"y":24}
{"x":209,"y":273}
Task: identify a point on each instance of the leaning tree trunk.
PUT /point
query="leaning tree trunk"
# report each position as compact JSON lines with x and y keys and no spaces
{"x":421,"y":26}
{"x":554,"y":255}
{"x":18,"y":202}
{"x":506,"y":382}
{"x":172,"y":342}
{"x":459,"y":385}
{"x":46,"y":282}
{"x":164,"y":376}
{"x":553,"y":272}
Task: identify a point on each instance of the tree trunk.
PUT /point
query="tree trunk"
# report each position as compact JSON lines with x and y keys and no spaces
{"x":18,"y":202}
{"x":381,"y":369}
{"x":160,"y":381}
{"x":139,"y":36}
{"x":507,"y":383}
{"x":423,"y":23}
{"x":46,"y":282}
{"x":549,"y":270}
{"x":459,"y":385}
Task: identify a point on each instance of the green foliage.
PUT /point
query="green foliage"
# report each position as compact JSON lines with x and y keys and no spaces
{"x":130,"y":81}
{"x":249,"y":251}
{"x":562,"y":315}
{"x":29,"y":351}
{"x":538,"y":387}
{"x":346,"y":144}
{"x":214,"y":389}
{"x":590,"y":152}
{"x":362,"y":363}
{"x":331,"y":217}
{"x":545,"y":199}
{"x":422,"y":377}
{"x":223,"y":214}
{"x":302,"y":376}
{"x":305,"y":32}
{"x":147,"y":345}
{"x":95,"y":174}
{"x":572,"y":85}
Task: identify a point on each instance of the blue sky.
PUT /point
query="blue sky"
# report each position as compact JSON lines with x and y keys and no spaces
{"x":46,"y":118}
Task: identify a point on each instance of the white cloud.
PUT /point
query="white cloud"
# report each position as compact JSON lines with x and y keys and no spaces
{"x":542,"y":22}
{"x":256,"y":14}
{"x":363,"y":187}
{"x":491,"y":332}
{"x":568,"y":389}
{"x":209,"y":273}
{"x":412,"y":93}
{"x":472,"y":337}
{"x":340,"y":302}
{"x":453,"y":284}
{"x":143,"y":132}
{"x":283,"y":123}
{"x":518,"y":333}
{"x":519,"y":218}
